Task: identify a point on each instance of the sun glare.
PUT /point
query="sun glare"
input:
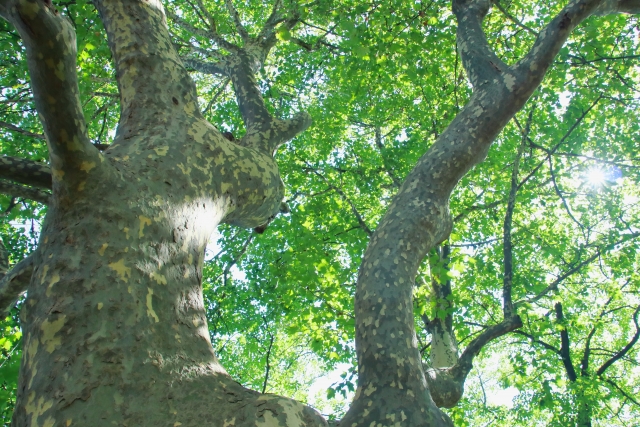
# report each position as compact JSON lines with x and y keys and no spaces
{"x":596,"y":177}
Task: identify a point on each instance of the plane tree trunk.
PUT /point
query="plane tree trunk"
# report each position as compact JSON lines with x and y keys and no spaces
{"x":115,"y":331}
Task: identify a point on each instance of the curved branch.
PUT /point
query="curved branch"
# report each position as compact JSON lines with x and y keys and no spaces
{"x":25,"y":192}
{"x":15,"y":283}
{"x":618,"y":6}
{"x":626,"y":348}
{"x":478,"y":59}
{"x":548,"y":43}
{"x":49,"y":39}
{"x":25,"y":171}
{"x":464,"y":365}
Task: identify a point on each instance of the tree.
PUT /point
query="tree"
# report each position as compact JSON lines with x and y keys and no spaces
{"x":114,"y":323}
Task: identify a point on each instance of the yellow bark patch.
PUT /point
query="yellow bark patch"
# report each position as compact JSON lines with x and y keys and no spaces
{"x":150,"y":311}
{"x":49,"y":331}
{"x":197,"y":131}
{"x":190,"y":107}
{"x":59,"y":71}
{"x":123,"y":271}
{"x":369,"y":390}
{"x":57,"y":174}
{"x":36,"y":408}
{"x":102,"y":249}
{"x":32,"y":349}
{"x":161,"y":151}
{"x":87,"y":166}
{"x":44,"y":274}
{"x":143,"y":221}
{"x":185,"y":169}
{"x":54,"y":279}
{"x":159,"y":278}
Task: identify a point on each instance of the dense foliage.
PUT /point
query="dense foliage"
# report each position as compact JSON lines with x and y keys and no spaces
{"x":382,"y":80}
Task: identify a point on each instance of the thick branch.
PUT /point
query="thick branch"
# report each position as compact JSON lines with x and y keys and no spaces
{"x":548,"y":43}
{"x":464,"y":365}
{"x":25,"y":171}
{"x":418,"y":218}
{"x":50,"y":42}
{"x":14,"y":284}
{"x":479,"y":60}
{"x":264,"y":132}
{"x":25,"y":192}
{"x":155,"y":88}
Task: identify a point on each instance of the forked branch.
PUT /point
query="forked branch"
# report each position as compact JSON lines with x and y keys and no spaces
{"x":26,"y":172}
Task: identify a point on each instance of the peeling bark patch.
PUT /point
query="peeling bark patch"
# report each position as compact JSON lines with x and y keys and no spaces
{"x":510,"y":82}
{"x":49,"y":331}
{"x":150,"y":312}
{"x":159,"y":278}
{"x":143,"y":221}
{"x":87,"y":166}
{"x":102,"y":249}
{"x":123,"y":271}
{"x":54,"y":279}
{"x":36,"y":408}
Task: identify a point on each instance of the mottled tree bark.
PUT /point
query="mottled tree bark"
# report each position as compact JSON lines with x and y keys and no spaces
{"x":391,"y":380}
{"x":114,"y":325}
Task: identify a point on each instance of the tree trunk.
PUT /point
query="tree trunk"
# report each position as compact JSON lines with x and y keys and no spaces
{"x":114,"y":324}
